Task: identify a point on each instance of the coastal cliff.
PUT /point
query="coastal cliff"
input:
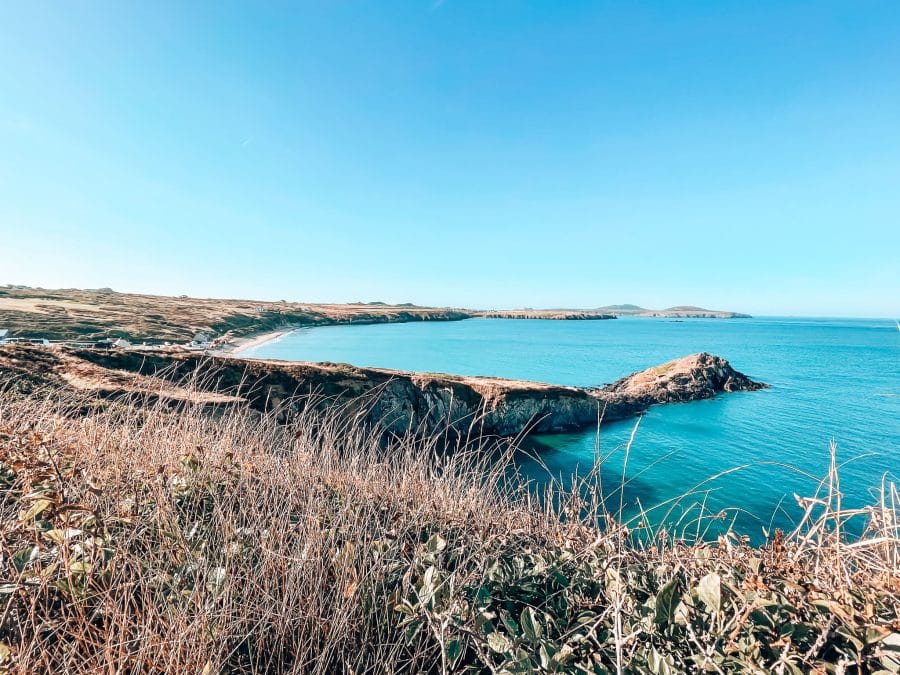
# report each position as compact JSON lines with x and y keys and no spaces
{"x":398,"y":401}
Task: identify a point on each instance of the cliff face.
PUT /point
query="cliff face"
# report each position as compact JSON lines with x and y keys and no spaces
{"x":431,"y":403}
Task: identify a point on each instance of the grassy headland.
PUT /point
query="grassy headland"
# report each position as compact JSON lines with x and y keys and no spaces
{"x":72,"y":314}
{"x":397,"y":401}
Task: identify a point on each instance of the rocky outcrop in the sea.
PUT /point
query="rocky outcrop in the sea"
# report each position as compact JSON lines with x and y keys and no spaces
{"x":689,"y":378}
{"x":427,"y":402}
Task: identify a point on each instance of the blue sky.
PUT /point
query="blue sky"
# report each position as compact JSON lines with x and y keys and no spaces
{"x":734,"y":155}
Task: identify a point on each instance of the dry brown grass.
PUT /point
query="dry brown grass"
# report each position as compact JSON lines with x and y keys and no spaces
{"x":145,"y":540}
{"x":75,"y":314}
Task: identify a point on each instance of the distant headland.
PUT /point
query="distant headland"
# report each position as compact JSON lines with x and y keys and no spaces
{"x":96,"y":314}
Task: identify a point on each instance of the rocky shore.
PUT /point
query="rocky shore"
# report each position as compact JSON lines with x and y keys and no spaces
{"x":555,"y":314}
{"x":399,"y":401}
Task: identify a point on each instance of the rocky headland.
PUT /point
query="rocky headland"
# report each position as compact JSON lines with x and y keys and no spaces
{"x":398,"y":401}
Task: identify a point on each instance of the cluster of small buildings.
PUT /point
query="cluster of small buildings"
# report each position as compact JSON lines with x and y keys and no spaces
{"x":5,"y":339}
{"x":200,"y":342}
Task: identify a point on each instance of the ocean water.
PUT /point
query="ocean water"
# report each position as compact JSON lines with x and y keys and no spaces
{"x":831,"y":380}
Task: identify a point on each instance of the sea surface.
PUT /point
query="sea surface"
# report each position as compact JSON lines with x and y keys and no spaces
{"x":749,"y":452}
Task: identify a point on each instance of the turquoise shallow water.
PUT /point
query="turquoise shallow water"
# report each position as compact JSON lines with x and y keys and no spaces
{"x":831,"y":379}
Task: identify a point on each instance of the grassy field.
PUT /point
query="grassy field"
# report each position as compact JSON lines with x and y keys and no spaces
{"x":72,"y":314}
{"x":152,"y":537}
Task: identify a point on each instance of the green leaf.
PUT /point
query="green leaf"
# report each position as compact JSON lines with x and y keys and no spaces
{"x":891,"y":641}
{"x":546,"y":653}
{"x":511,"y":624}
{"x":216,"y":580}
{"x":435,"y":544}
{"x":80,"y":567}
{"x":564,"y":655}
{"x":682,"y":614}
{"x":499,"y":643}
{"x":20,"y":559}
{"x":58,"y":536}
{"x":35,"y":509}
{"x":890,"y":650}
{"x":709,"y":590}
{"x":428,"y":579}
{"x":412,"y":630}
{"x":659,"y":664}
{"x":483,"y":596}
{"x":530,"y":623}
{"x":667,"y":602}
{"x":453,"y":651}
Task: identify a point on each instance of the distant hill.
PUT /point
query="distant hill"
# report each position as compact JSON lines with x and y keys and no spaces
{"x":677,"y":312}
{"x":614,"y":311}
{"x":621,"y":308}
{"x":693,"y":312}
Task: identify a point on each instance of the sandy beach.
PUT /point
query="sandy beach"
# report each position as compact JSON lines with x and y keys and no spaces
{"x":238,"y":346}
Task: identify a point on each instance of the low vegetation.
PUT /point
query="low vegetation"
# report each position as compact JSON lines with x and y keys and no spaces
{"x":139,"y":537}
{"x":74,"y":314}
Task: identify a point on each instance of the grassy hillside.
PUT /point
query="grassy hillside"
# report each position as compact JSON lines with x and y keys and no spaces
{"x":71,"y":314}
{"x":146,"y":539}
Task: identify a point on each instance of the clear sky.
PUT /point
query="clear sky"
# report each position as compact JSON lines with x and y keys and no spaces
{"x":735,"y":155}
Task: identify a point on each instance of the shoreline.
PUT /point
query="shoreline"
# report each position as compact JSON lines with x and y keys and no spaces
{"x":237,"y":346}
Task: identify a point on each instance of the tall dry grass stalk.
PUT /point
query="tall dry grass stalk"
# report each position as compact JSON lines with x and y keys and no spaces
{"x":146,"y":539}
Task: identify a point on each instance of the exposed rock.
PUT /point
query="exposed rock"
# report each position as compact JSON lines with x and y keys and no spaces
{"x":399,"y":401}
{"x":689,"y":378}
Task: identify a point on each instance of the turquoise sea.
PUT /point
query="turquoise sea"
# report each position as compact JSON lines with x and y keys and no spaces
{"x":832,"y":379}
